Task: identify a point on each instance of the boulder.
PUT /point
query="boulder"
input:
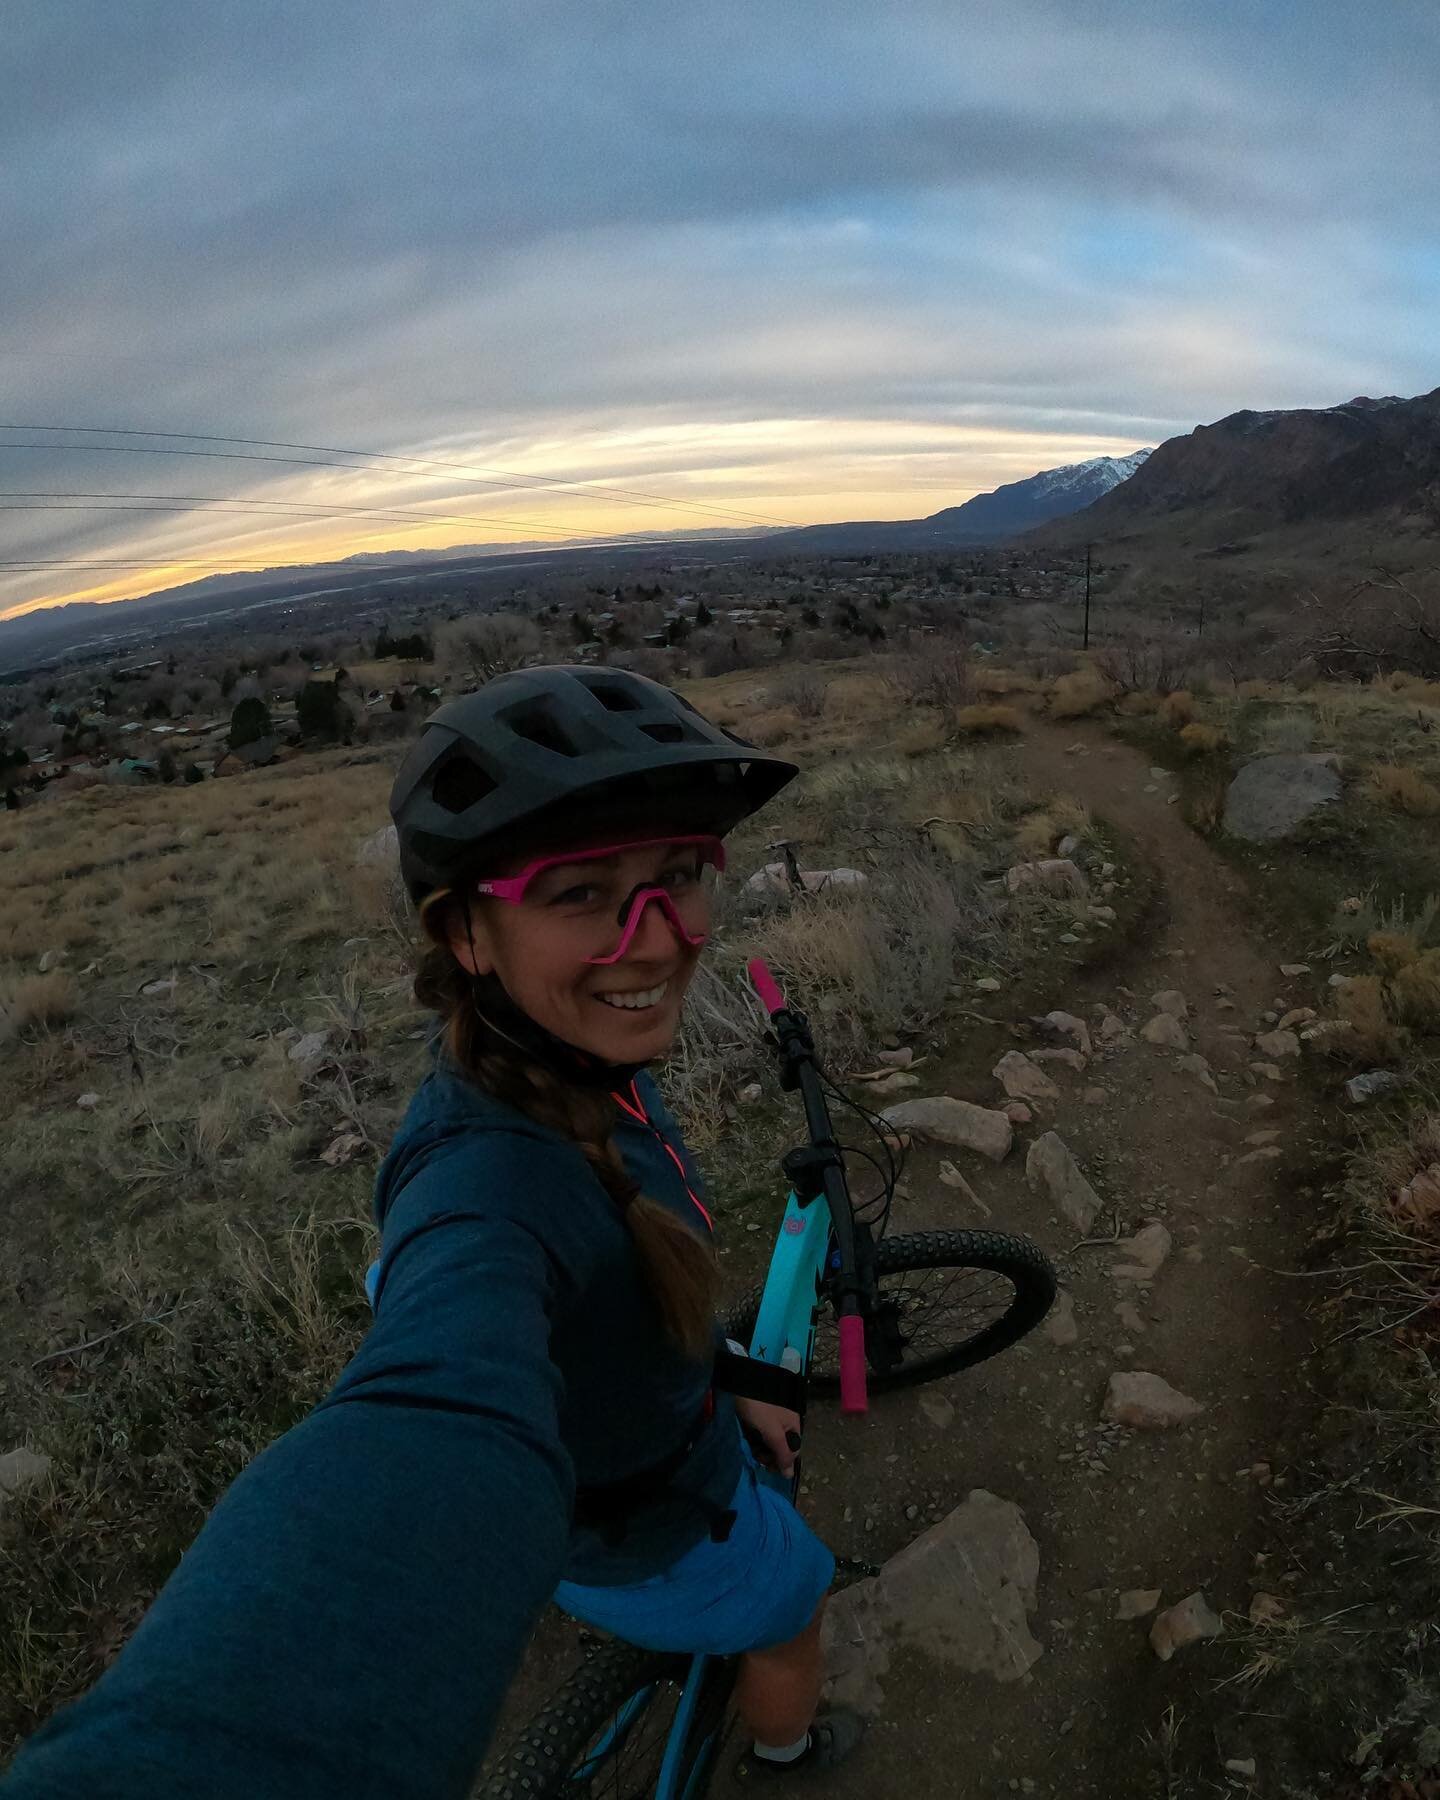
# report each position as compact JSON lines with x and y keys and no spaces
{"x":1051,"y":1167}
{"x":1276,"y":1045}
{"x":1066,"y":1025}
{"x":1072,"y":1059}
{"x":1022,"y":1080}
{"x":310,"y":1049}
{"x":988,"y":984}
{"x":88,"y":1102}
{"x":1113,"y":1029}
{"x":1146,"y":1402}
{"x":1197,"y":1066}
{"x":1266,"y":1609}
{"x":1361,"y":1089}
{"x":1137,"y":1603}
{"x":896,"y":1059}
{"x":1273,"y":794}
{"x":1146,"y":1252}
{"x":1060,"y":1326}
{"x":379,"y":850}
{"x":774,"y":878}
{"x":949,"y":1121}
{"x":1166,"y":1032}
{"x":961,"y":1594}
{"x":1053,"y":875}
{"x":1186,"y":1623}
{"x":1172,"y":1001}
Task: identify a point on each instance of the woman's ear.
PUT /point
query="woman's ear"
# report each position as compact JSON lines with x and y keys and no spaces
{"x":469,"y":941}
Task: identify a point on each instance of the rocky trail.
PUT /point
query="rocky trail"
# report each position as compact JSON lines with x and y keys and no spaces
{"x":1062,"y":1527}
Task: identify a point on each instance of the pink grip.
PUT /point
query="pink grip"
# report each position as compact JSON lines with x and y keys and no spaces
{"x":853,"y":1398}
{"x":764,"y":984}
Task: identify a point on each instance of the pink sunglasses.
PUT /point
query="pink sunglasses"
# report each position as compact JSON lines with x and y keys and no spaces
{"x":513,"y":888}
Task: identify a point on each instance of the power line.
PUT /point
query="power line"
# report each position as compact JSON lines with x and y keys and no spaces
{"x":103,"y":502}
{"x":626,"y":496}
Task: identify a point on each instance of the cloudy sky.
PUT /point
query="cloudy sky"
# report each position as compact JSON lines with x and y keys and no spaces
{"x":791,"y":260}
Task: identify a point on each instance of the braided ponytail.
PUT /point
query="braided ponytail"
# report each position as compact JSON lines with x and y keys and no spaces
{"x":679,"y":1266}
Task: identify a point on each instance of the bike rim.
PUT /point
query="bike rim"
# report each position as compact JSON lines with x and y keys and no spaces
{"x":925,"y":1315}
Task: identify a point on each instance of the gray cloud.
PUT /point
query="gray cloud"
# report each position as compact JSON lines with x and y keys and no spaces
{"x":539,"y":231}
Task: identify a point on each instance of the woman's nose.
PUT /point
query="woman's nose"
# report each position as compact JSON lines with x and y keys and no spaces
{"x":654,"y":934}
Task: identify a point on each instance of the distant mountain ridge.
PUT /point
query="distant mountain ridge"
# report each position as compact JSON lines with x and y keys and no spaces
{"x":1371,"y":463}
{"x":1005,"y":512}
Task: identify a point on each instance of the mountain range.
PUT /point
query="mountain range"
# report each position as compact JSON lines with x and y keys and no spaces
{"x":1016,"y":507}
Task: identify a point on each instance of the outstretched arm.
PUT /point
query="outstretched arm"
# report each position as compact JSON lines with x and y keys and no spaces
{"x":350,"y":1617}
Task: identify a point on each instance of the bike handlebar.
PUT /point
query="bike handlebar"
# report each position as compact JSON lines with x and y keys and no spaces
{"x":765,"y":986}
{"x":854,"y":1398}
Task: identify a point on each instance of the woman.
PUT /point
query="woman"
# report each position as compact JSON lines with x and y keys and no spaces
{"x":534,"y":1412}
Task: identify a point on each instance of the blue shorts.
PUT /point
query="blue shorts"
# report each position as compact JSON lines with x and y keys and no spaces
{"x":758,"y":1589}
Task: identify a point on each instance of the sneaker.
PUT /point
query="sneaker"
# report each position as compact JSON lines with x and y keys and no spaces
{"x":833,"y":1736}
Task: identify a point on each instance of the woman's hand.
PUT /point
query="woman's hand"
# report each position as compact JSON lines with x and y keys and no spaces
{"x":774,"y":1433}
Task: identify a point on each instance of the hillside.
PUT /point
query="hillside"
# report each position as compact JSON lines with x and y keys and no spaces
{"x":1005,"y":512}
{"x":1307,"y":482}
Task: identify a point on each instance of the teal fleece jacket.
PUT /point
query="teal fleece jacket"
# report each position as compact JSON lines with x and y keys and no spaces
{"x":348,"y":1620}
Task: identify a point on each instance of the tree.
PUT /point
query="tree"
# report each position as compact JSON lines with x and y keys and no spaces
{"x":704,"y":616}
{"x":489,"y":644}
{"x":397,"y":701}
{"x":249,"y":722}
{"x":227,"y":683}
{"x":320,"y":711}
{"x":166,"y":766}
{"x":193,"y":773}
{"x":584,"y":631}
{"x":415,"y":647}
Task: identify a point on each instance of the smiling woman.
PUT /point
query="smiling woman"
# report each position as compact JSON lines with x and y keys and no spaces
{"x":534,"y":1413}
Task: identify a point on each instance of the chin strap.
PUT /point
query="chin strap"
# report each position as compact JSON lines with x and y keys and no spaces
{"x":495,"y":1007}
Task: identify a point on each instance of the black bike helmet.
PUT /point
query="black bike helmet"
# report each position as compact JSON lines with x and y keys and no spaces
{"x":503,"y":768}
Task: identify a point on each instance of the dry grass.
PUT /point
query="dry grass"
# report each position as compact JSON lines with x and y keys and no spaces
{"x":995,"y":684}
{"x":1040,"y":832}
{"x":988,"y":721}
{"x":1415,"y":992}
{"x":923,"y":735}
{"x":1391,"y":951}
{"x":1080,"y":693}
{"x":1405,"y":789}
{"x":1179,"y":708}
{"x":1371,"y":1034}
{"x":37,"y":1000}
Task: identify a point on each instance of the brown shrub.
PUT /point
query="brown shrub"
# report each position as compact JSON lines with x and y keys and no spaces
{"x":37,"y":1000}
{"x":922,"y":735}
{"x":1371,"y":1034}
{"x":1080,"y":693}
{"x":1202,"y":740}
{"x":1415,"y":992}
{"x":1140,"y":703}
{"x":1179,"y":708}
{"x":986,"y":721}
{"x":1405,"y":789}
{"x":1392,"y":950}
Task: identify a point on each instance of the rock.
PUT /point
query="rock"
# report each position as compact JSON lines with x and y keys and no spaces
{"x":1277,"y":1045}
{"x":950,"y":1121}
{"x":1106,"y":870}
{"x":1166,"y":1032}
{"x":1266,"y":1609}
{"x":774,"y":878}
{"x":1094,"y":1096}
{"x":1268,"y":1071}
{"x":1268,"y":1154}
{"x":1298,"y":1015}
{"x":343,"y":1150}
{"x":952,"y":1178}
{"x":19,"y":1469}
{"x":1053,"y":875}
{"x":1068,"y":937}
{"x":1197,"y":1066}
{"x":1068,"y":845}
{"x":50,"y":960}
{"x":1065,"y":1024}
{"x":1106,"y":915}
{"x":1262,"y":1137}
{"x":987,"y":984}
{"x":896,"y":1059}
{"x":1259,"y":1102}
{"x":1129,"y":1316}
{"x":1146,"y":1250}
{"x":1060,"y":1326}
{"x":312,"y":1048}
{"x":937,"y":1409}
{"x":1072,"y":1059}
{"x":1136,"y":1603}
{"x":894,"y":1081}
{"x":1158,"y":774}
{"x":1172,"y":1001}
{"x":960,"y":1594}
{"x":1113,"y":1029}
{"x":1021,"y":1079}
{"x":1273,"y":794}
{"x":1360,"y":1090}
{"x":88,"y":1102}
{"x":750,"y":1093}
{"x":167,"y":985}
{"x":1240,"y":1765}
{"x":1017,"y":1112}
{"x":1419,"y":1199}
{"x":1294,"y":968}
{"x":380,"y":849}
{"x":1146,"y":1402}
{"x":1049,"y":1165}
{"x":1187,"y":1623}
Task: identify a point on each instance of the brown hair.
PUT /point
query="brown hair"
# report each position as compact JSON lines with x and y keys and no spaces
{"x":679,"y":1266}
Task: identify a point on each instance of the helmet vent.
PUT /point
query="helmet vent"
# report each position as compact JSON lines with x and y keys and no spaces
{"x":537,"y":727}
{"x":614,"y":699}
{"x":667,"y":731}
{"x":460,"y":784}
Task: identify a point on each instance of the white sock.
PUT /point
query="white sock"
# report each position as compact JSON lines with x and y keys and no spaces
{"x":783,"y":1753}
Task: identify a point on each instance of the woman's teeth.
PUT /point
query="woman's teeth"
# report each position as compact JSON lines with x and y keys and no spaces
{"x":637,"y":998}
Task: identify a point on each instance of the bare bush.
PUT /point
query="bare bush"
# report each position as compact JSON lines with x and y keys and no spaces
{"x":1390,"y":621}
{"x":1159,"y":664}
{"x":943,"y":677}
{"x":802,"y":691}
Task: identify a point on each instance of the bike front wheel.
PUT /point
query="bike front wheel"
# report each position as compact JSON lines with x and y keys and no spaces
{"x":945,"y":1301}
{"x":605,"y":1732}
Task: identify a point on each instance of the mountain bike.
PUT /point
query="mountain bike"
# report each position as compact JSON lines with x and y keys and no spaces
{"x":847,"y":1310}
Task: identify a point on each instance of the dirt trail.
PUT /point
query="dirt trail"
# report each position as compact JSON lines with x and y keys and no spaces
{"x":1168,"y":1510}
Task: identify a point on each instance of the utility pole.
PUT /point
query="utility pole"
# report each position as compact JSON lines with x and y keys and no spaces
{"x":1201,"y":632}
{"x":1086,"y":643}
